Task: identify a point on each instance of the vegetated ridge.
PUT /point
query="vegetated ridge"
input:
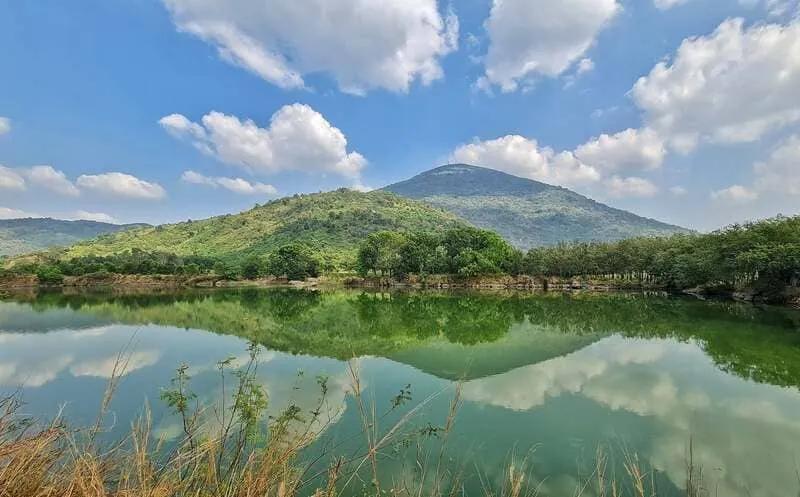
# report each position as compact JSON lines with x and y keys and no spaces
{"x":332,"y":224}
{"x":526,"y":213}
{"x":21,"y":236}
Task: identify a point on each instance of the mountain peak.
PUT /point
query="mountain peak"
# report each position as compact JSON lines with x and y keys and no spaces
{"x":455,"y":169}
{"x":527,"y":213}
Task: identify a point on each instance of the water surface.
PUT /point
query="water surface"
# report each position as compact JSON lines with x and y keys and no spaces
{"x":552,"y":377}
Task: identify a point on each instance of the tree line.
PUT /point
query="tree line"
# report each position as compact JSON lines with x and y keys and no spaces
{"x":293,"y":261}
{"x":764,"y":255}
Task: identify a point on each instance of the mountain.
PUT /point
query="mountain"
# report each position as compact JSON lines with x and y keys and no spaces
{"x":21,"y":236}
{"x":332,"y":223}
{"x":527,"y":213}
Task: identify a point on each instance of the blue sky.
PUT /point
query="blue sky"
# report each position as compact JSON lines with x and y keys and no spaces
{"x":158,"y":111}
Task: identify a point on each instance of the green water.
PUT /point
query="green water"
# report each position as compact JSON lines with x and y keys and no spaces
{"x":547,"y":377}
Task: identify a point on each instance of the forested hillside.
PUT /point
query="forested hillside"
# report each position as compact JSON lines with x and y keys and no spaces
{"x":331,"y":224}
{"x":527,"y":213}
{"x":21,"y":236}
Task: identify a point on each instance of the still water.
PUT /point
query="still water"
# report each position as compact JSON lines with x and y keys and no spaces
{"x":550,"y":378}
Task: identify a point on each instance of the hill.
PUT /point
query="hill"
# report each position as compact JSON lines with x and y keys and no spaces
{"x":332,"y":223}
{"x":527,"y":213}
{"x":22,"y":236}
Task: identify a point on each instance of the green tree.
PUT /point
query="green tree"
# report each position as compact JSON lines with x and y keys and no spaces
{"x":380,"y":252}
{"x":253,"y":267}
{"x":295,"y":262}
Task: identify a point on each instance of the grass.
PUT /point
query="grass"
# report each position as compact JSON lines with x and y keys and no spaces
{"x":230,"y":451}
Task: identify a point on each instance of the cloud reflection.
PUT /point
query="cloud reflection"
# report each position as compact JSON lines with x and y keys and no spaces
{"x":745,"y":436}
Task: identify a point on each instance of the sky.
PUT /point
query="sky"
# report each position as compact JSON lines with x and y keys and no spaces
{"x":687,"y":111}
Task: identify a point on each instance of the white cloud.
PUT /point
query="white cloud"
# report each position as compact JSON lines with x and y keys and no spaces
{"x":780,"y":8}
{"x":776,"y":181}
{"x":678,"y":191}
{"x":599,"y":113}
{"x":298,"y":139}
{"x":362,"y":44}
{"x":541,"y":37}
{"x":523,"y":157}
{"x":38,"y":176}
{"x":51,"y":179}
{"x":630,"y":187}
{"x":33,"y":360}
{"x":121,"y":184}
{"x":668,"y":4}
{"x":93,"y":216}
{"x":631,"y":148}
{"x":749,"y":434}
{"x":589,"y":163}
{"x":108,"y":367}
{"x":781,"y":172}
{"x":734,"y":85}
{"x":585,"y":65}
{"x":236,"y":185}
{"x":8,"y":213}
{"x":734,"y":194}
{"x":5,"y":125}
{"x":11,"y":179}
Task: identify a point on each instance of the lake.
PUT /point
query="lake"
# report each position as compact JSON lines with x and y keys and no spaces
{"x":549,"y":379}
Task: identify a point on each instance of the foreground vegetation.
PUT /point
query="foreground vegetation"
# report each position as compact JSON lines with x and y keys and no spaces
{"x":231,"y":450}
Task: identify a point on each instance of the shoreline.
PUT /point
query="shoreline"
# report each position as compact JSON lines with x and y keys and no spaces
{"x":790,"y":296}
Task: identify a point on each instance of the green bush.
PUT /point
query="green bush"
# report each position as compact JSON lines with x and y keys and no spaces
{"x":50,"y":275}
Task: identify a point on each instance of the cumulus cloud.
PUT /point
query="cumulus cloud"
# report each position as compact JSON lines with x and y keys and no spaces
{"x":631,"y":148}
{"x":9,"y":213}
{"x":732,"y":86}
{"x":93,"y":216}
{"x":5,"y":125}
{"x":592,"y":163}
{"x":734,"y":194}
{"x":630,"y":187}
{"x":121,"y":184}
{"x":363,"y":45}
{"x":37,"y":176}
{"x":51,"y":179}
{"x":529,"y":38}
{"x":524,"y":157}
{"x":298,"y":138}
{"x":11,"y":179}
{"x":236,"y":185}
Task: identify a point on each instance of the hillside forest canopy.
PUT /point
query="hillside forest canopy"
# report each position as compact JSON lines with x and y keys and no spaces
{"x":762,"y":254}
